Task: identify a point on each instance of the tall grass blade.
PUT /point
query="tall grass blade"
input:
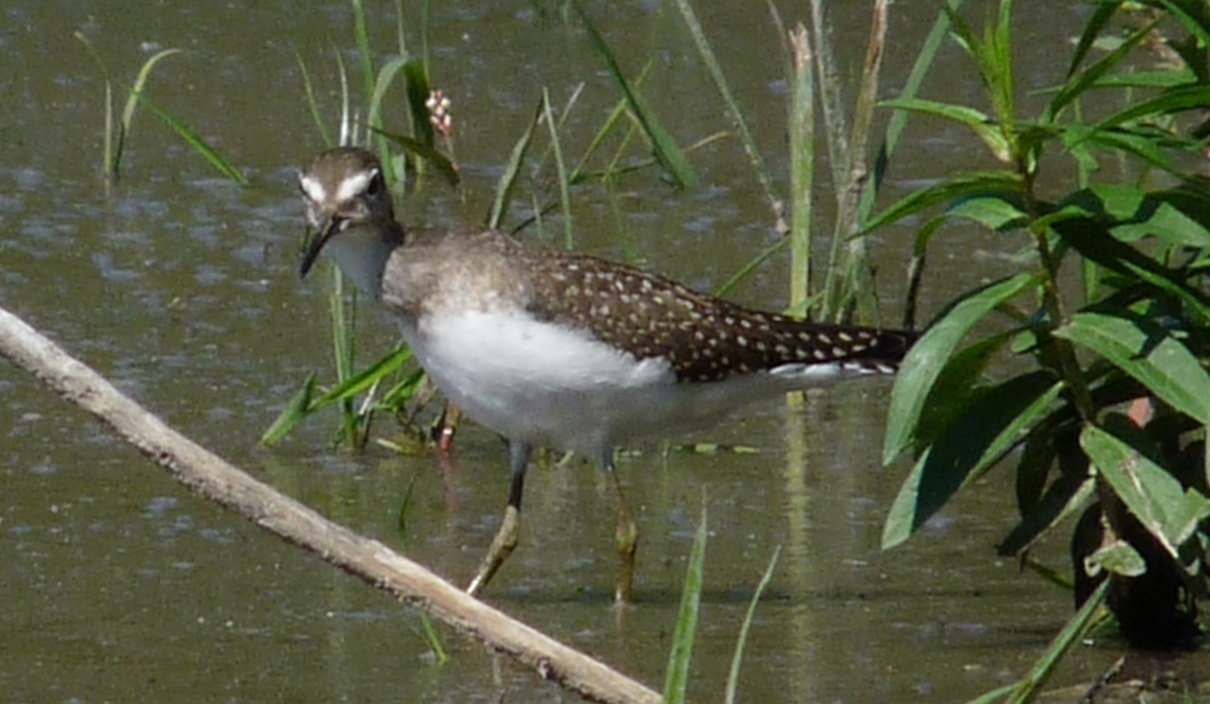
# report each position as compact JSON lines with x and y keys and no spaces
{"x":312,"y":103}
{"x":737,"y":659}
{"x":107,"y":150}
{"x":400,"y":39}
{"x":737,"y":115}
{"x":362,"y":38}
{"x":1070,"y":635}
{"x":346,"y":109}
{"x":508,"y":179}
{"x":802,"y":165}
{"x":677,"y":679}
{"x":199,"y":145}
{"x":830,"y":92}
{"x":857,"y":284}
{"x":606,"y":127}
{"x":386,"y":76}
{"x":425,"y":24}
{"x":136,"y":92}
{"x":670,"y":156}
{"x":293,"y":414}
{"x":897,"y":121}
{"x":343,"y":319}
{"x":418,"y":95}
{"x":427,"y":631}
{"x":564,"y":193}
{"x":750,"y":266}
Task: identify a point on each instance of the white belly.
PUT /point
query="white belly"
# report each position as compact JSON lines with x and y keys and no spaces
{"x":547,"y":385}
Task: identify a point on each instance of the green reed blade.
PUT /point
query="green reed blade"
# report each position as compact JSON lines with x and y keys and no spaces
{"x":107,"y":151}
{"x":199,"y":145}
{"x":136,"y":92}
{"x":671,"y":157}
{"x":564,"y":193}
{"x":686,"y":623}
{"x":508,"y":179}
{"x":737,"y":659}
{"x":312,"y":103}
{"x":737,"y":115}
{"x":293,"y":414}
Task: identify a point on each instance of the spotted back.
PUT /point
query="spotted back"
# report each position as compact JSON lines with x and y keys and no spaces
{"x":703,"y":338}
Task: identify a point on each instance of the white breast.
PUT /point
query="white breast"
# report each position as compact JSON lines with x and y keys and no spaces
{"x":550,"y":385}
{"x":534,"y":381}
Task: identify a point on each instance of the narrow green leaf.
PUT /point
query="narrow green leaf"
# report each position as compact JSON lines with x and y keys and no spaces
{"x":1175,"y":100}
{"x":361,"y":36}
{"x":136,"y":90}
{"x":1198,"y":29}
{"x":1070,"y":635}
{"x":429,"y":153}
{"x":737,"y":115}
{"x":1100,"y":17}
{"x":1089,"y":237}
{"x":992,"y":424}
{"x":386,"y":76}
{"x":977,"y":121}
{"x":560,"y":170}
{"x":199,"y":145}
{"x":1067,"y":496}
{"x":418,"y":95}
{"x":294,"y":412}
{"x":132,"y":100}
{"x":667,"y":152}
{"x":1147,"y":352}
{"x":957,"y":386}
{"x":679,"y":659}
{"x":985,"y":183}
{"x":802,"y":166}
{"x":312,"y":103}
{"x":897,"y":121}
{"x":1076,"y":85}
{"x":736,"y":660}
{"x":932,"y":352}
{"x":360,"y":383}
{"x":1152,"y":494}
{"x":508,"y":179}
{"x":1169,"y":224}
{"x":1168,"y":78}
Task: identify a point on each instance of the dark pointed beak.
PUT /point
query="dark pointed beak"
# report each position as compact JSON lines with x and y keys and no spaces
{"x":315,"y":242}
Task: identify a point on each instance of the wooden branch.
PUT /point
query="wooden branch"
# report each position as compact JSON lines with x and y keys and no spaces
{"x":213,"y":478}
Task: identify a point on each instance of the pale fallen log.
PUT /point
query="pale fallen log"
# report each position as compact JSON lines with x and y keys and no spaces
{"x":213,"y":478}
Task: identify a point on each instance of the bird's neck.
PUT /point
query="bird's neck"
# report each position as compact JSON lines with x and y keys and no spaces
{"x":362,"y":253}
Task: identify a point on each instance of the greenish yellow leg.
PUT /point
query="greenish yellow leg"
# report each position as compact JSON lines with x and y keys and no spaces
{"x":627,"y":536}
{"x":510,"y":528}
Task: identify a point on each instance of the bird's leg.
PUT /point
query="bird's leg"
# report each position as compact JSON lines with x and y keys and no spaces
{"x":627,"y":536}
{"x":506,"y":536}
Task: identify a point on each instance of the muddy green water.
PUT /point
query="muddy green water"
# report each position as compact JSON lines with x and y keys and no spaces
{"x":117,"y":585}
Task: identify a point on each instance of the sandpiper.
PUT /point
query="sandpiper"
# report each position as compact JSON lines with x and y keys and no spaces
{"x":564,"y":350}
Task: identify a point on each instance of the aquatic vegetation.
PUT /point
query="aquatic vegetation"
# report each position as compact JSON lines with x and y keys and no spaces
{"x":1098,"y":389}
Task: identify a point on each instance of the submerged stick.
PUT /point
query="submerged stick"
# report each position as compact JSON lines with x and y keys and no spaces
{"x":213,"y":478}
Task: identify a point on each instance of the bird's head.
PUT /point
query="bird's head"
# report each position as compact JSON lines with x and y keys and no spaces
{"x":343,"y":189}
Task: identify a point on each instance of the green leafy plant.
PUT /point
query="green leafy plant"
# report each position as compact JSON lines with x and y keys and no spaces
{"x":1108,"y":399}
